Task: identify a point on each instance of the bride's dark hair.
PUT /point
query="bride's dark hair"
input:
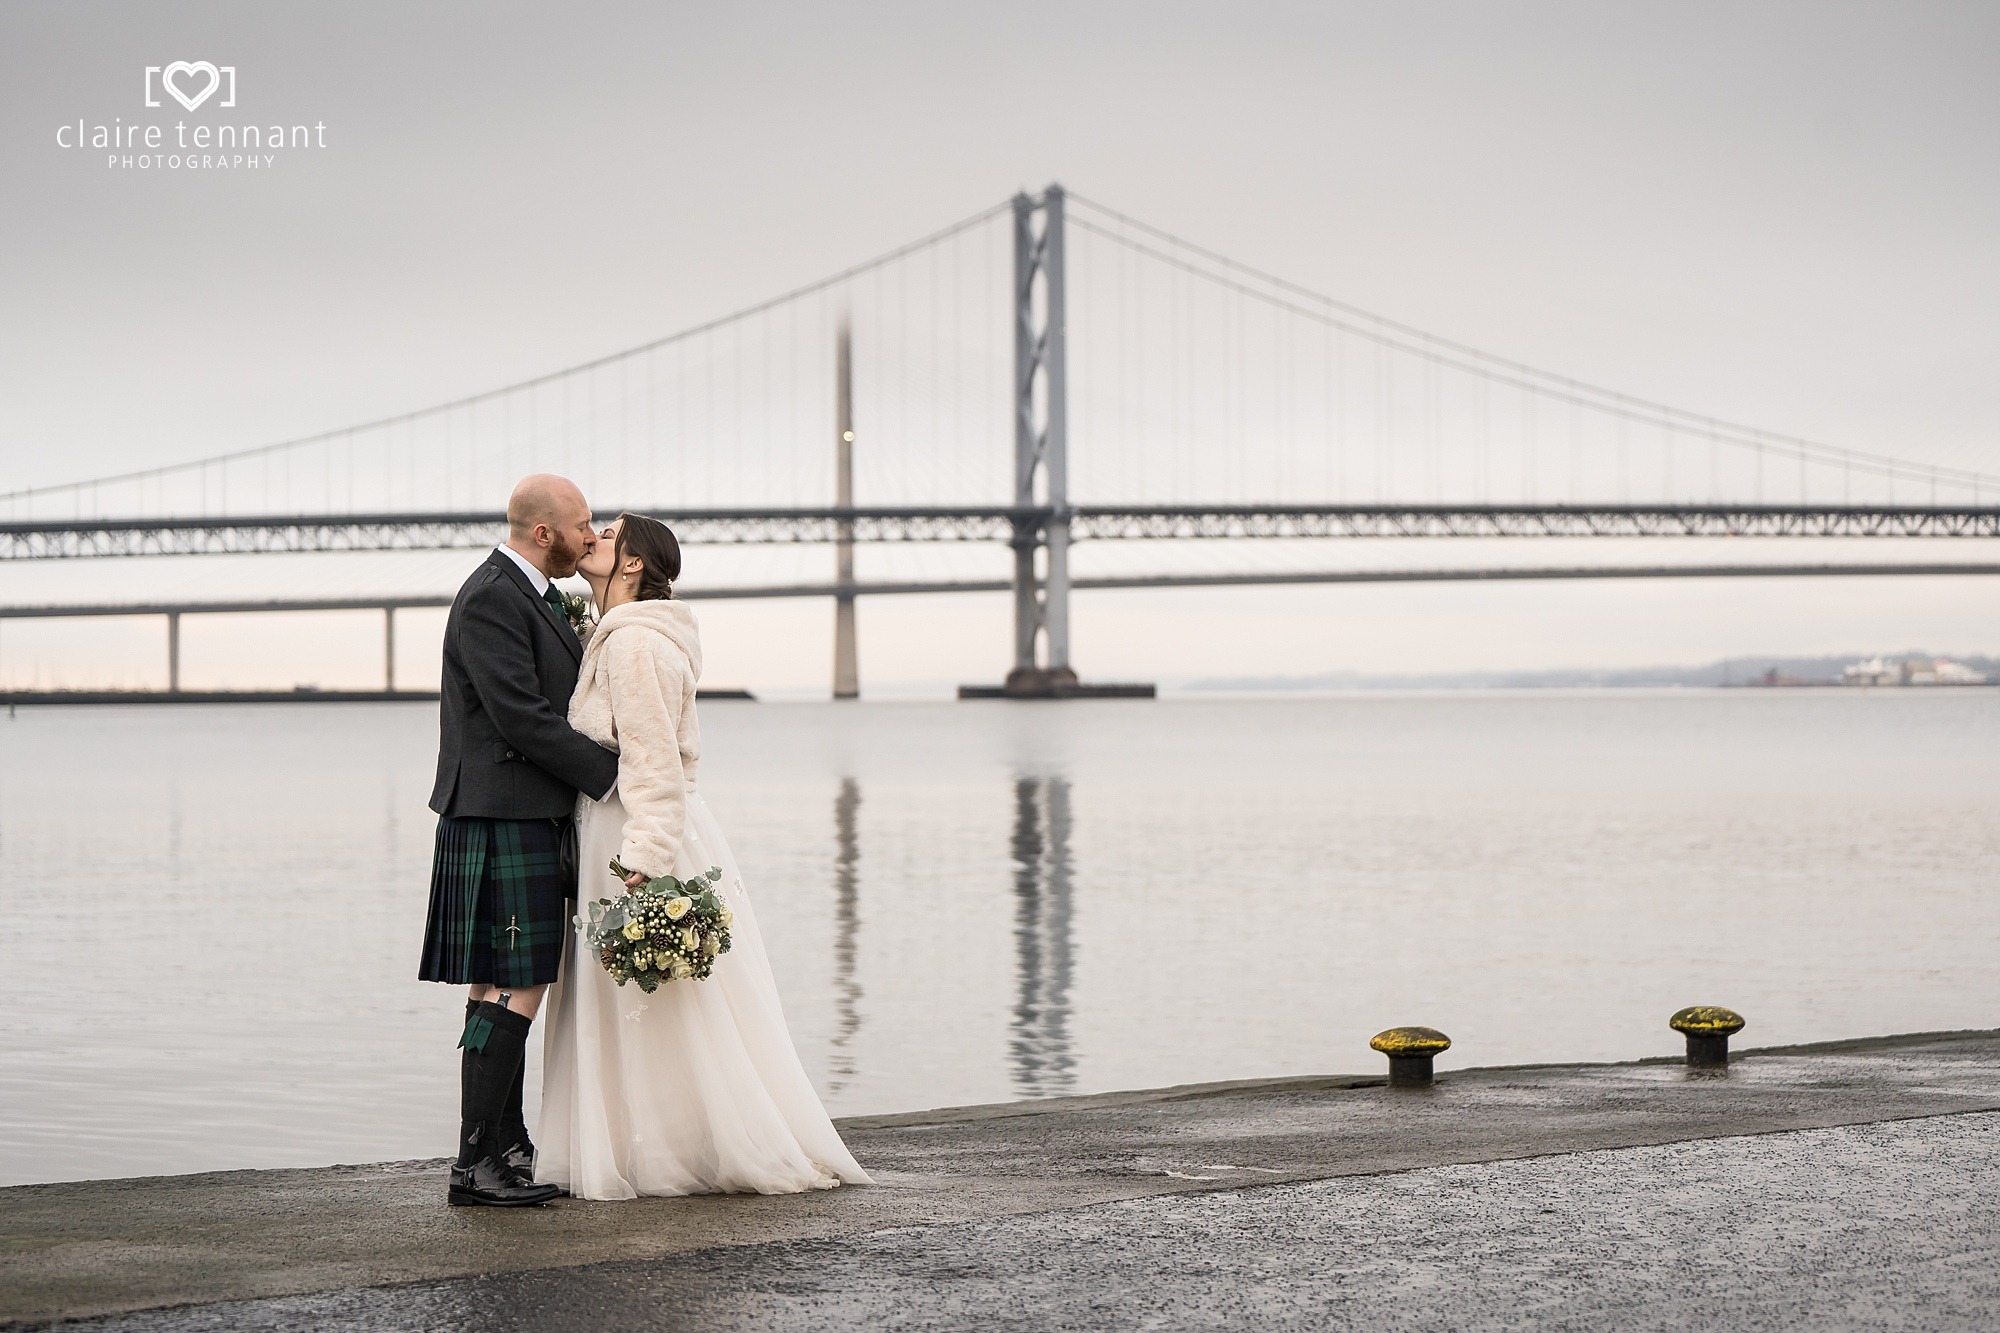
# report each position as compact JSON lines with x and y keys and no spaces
{"x":658,"y":550}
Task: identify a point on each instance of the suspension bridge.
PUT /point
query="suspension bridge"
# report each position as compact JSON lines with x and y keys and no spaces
{"x":1044,"y":383}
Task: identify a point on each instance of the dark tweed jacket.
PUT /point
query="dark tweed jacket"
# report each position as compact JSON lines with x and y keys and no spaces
{"x":505,"y":746}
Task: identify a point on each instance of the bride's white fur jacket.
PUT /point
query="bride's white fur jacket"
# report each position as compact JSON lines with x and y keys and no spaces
{"x":635,"y":694}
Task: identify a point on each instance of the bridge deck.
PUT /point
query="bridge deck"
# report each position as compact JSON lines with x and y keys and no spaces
{"x":889,"y":588}
{"x":267,"y":534}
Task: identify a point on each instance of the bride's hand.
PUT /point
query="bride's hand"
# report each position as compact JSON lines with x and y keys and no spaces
{"x":635,"y":880}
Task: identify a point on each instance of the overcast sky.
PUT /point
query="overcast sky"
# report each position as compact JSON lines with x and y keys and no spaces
{"x":1785,"y":214}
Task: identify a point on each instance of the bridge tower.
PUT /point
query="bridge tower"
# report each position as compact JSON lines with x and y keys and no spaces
{"x":1041,"y":450}
{"x":846,"y":667}
{"x":1041,"y":667}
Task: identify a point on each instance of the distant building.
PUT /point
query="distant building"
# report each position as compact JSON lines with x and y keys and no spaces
{"x":1874,"y":671}
{"x":1957,"y":673}
{"x":1911,"y":671}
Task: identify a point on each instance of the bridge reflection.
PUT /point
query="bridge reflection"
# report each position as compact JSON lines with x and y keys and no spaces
{"x":1044,"y":1064}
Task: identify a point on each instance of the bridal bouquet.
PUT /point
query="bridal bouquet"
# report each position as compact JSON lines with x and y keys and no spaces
{"x":664,"y":930}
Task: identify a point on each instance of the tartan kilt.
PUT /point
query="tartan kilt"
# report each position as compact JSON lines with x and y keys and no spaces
{"x":500,"y":891}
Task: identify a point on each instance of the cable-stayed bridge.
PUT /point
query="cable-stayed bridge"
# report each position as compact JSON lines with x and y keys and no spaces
{"x":1043,"y":375}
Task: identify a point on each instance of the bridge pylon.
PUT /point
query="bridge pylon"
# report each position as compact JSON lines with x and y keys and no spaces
{"x":846,"y":665}
{"x":1042,"y":511}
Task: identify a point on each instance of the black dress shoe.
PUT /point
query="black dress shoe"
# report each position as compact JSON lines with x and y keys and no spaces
{"x":491,"y":1183}
{"x":520,"y":1159}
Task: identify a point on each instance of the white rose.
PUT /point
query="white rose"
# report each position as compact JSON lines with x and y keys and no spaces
{"x":711,"y":946}
{"x":690,"y":938}
{"x":678,"y":908}
{"x":680,"y":970}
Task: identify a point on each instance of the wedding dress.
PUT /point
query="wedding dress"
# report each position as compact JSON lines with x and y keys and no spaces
{"x":695,"y":1088}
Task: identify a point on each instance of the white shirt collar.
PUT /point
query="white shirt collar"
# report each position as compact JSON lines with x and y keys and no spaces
{"x":535,"y":576}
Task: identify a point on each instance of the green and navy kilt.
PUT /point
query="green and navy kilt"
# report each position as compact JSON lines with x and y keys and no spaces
{"x":500,"y":891}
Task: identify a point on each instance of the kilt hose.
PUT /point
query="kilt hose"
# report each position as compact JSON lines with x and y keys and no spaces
{"x":500,"y":891}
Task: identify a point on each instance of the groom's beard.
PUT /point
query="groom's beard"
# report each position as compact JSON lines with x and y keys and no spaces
{"x":562,"y":557}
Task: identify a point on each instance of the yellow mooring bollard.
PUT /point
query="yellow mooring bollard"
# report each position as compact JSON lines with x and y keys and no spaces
{"x":1410,"y":1051}
{"x":1708,"y":1028}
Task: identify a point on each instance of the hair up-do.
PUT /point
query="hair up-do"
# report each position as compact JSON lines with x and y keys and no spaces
{"x":658,"y":550}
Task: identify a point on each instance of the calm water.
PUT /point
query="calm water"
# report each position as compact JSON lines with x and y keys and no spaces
{"x":210,"y":916}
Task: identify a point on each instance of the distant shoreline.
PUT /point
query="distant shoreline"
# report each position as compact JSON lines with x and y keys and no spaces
{"x":1735,"y":672}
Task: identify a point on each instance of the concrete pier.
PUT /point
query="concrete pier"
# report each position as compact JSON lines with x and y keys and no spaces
{"x":1845,"y":1184}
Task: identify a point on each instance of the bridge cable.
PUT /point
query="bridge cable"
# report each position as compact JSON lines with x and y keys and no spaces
{"x":1567,"y":387}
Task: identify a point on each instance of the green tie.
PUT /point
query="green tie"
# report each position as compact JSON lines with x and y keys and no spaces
{"x":553,"y":596}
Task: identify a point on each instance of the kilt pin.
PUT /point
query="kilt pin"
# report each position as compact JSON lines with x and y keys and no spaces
{"x":501,"y":893}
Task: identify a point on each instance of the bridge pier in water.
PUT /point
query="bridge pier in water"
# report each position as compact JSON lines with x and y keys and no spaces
{"x":1040,"y":539}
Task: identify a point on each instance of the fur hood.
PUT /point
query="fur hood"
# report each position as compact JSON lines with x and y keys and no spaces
{"x":674,"y":619}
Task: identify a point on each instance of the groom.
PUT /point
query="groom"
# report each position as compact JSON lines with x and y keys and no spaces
{"x":509,"y":770}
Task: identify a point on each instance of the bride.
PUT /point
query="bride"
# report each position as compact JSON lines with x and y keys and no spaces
{"x":695,"y":1088}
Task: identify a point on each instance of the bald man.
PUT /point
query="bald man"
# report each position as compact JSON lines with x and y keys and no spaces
{"x":509,"y":770}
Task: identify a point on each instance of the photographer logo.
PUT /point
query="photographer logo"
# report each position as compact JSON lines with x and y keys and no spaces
{"x":169,"y":75}
{"x":144,"y":145}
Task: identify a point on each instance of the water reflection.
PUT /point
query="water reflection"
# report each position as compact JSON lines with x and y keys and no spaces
{"x":1043,"y":1062}
{"x":174,"y":832}
{"x":846,"y":924}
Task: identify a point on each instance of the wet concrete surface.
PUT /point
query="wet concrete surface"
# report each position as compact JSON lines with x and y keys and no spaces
{"x":1579,"y":1196}
{"x":1875,"y":1226}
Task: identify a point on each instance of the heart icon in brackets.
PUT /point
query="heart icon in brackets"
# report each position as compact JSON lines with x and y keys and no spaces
{"x":191,"y":101}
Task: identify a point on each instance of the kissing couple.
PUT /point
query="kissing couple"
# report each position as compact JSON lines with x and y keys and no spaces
{"x":565,"y":742}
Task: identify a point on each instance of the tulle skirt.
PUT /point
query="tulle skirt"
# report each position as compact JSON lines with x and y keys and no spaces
{"x":694,"y":1089}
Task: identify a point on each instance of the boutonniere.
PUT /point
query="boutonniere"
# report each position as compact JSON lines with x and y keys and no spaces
{"x":576,"y":610}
